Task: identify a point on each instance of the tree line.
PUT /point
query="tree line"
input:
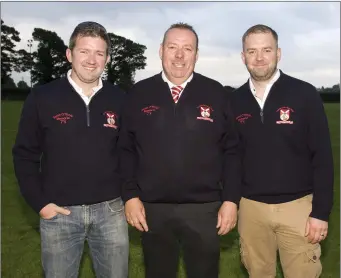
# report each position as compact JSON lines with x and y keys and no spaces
{"x":48,"y":61}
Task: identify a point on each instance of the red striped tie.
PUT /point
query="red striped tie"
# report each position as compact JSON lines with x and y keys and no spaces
{"x":176,"y":90}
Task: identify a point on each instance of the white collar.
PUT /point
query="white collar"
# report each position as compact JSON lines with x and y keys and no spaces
{"x":79,"y":89}
{"x":270,"y":83}
{"x":170,"y":84}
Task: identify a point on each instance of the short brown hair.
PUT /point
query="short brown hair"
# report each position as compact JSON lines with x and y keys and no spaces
{"x":89,"y":29}
{"x":181,"y":25}
{"x":260,"y":28}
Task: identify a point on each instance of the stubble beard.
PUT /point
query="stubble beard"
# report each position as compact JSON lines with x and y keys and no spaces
{"x":262,"y":75}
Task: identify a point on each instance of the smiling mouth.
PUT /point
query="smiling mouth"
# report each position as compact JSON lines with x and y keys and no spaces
{"x":178,"y":65}
{"x":89,"y":69}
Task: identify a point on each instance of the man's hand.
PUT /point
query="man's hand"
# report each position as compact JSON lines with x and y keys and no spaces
{"x":227,"y":217}
{"x":51,"y":210}
{"x":136,"y":215}
{"x":316,"y":230}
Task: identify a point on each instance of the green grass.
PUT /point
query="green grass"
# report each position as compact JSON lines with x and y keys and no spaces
{"x":20,"y":253}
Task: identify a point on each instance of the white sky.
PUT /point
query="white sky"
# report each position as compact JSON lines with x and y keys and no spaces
{"x":309,"y":32}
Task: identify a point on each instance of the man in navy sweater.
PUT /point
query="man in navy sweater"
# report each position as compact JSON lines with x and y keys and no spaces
{"x":180,"y":162}
{"x":287,"y":183}
{"x":66,"y":162}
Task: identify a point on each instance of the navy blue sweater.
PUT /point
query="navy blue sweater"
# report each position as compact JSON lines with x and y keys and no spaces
{"x":286,"y":146}
{"x":179,"y":153}
{"x":65,"y":151}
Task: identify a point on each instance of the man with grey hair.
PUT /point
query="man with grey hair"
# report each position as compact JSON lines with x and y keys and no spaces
{"x":66,"y":162}
{"x":287,"y":182}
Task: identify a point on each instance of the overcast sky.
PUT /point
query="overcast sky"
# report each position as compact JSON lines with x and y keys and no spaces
{"x":309,"y":32}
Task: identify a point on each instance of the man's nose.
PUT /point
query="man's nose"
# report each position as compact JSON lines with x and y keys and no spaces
{"x":91,"y":59}
{"x":259,"y":56}
{"x":179,"y":53}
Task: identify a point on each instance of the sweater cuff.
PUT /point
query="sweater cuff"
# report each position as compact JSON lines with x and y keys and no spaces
{"x":230,"y":198}
{"x":130,"y":190}
{"x":39,"y":204}
{"x":321,"y":215}
{"x":130,"y":195}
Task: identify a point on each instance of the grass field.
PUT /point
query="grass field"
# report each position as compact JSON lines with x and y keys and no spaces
{"x":20,"y":242}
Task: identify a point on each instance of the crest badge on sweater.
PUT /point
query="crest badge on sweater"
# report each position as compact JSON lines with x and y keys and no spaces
{"x":205,"y":112}
{"x":284,"y":115}
{"x":111,"y":119}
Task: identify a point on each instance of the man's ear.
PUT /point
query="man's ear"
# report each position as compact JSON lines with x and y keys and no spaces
{"x":161,"y":51}
{"x":108,"y":59}
{"x":242,"y":55}
{"x":69,"y":55}
{"x":279,"y":54}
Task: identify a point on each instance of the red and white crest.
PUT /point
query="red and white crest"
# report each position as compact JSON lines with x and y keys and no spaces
{"x":205,"y":112}
{"x":111,"y":119}
{"x":284,"y":115}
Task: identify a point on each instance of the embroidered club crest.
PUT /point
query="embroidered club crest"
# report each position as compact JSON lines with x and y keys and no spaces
{"x":284,"y":115}
{"x":111,"y":118}
{"x":205,"y":112}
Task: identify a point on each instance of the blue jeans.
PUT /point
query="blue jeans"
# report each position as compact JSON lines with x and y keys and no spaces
{"x":105,"y":228}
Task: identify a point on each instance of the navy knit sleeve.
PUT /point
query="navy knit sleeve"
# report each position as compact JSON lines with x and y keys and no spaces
{"x":127,"y":153}
{"x":27,"y":152}
{"x":322,"y":160}
{"x":232,"y":158}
